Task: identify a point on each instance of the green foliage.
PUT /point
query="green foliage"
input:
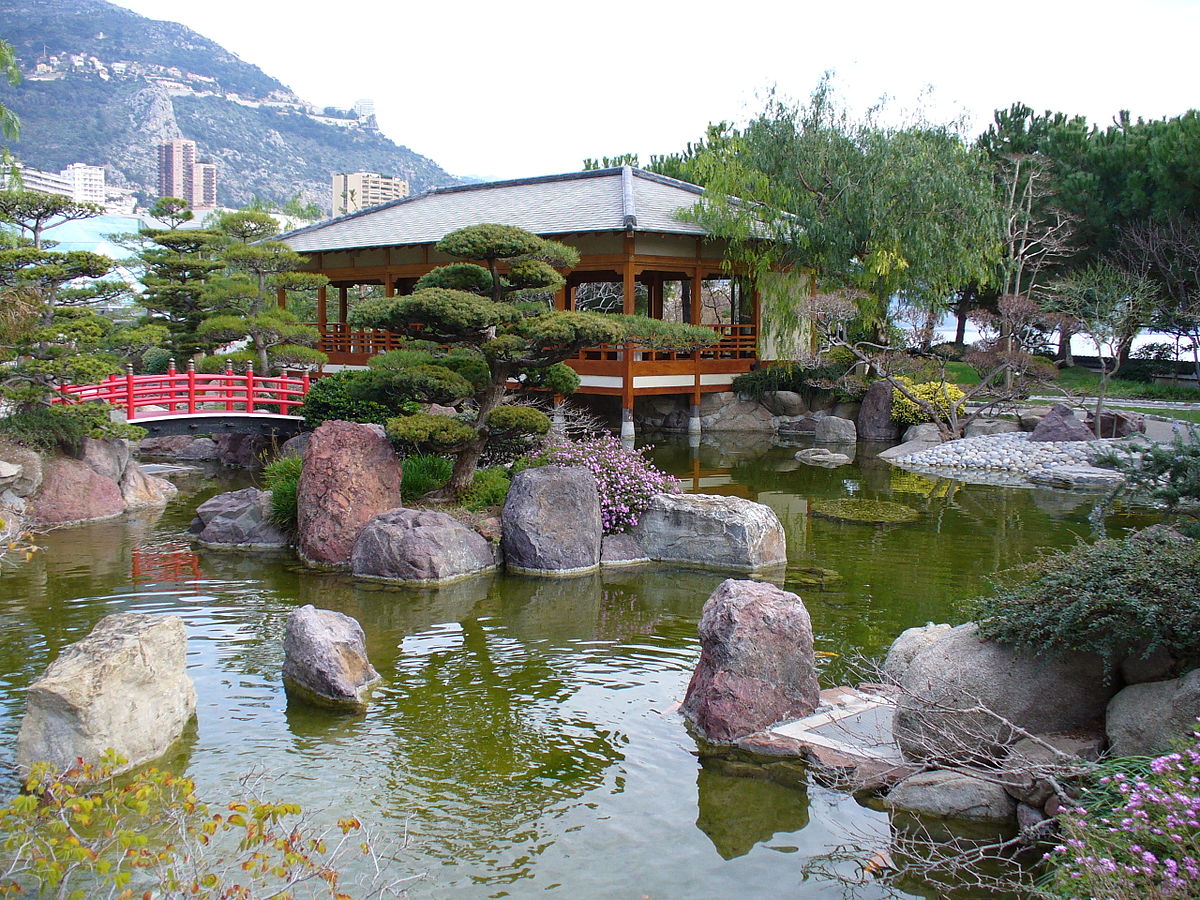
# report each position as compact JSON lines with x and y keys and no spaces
{"x":809,"y":382}
{"x":1170,"y":473}
{"x":559,"y":379}
{"x":215,"y":364}
{"x":458,"y":277}
{"x":430,"y":384}
{"x":490,"y":242}
{"x":156,"y":360}
{"x":84,"y":833}
{"x":429,"y":433}
{"x":424,"y":473}
{"x":939,"y":394}
{"x":1108,"y":598}
{"x":518,"y":420}
{"x":63,"y":427}
{"x":282,"y":478}
{"x":339,"y":396}
{"x":488,"y":488}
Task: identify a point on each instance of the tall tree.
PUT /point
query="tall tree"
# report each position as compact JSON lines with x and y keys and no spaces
{"x":10,"y":125}
{"x":482,"y":327}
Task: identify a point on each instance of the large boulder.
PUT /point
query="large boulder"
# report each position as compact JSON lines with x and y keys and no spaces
{"x":201,"y":449}
{"x":621,"y":550}
{"x":712,"y":531}
{"x":296,"y":446}
{"x":1036,"y":769}
{"x":325,"y":660}
{"x":959,"y":696}
{"x":985,"y":427}
{"x":785,"y":403}
{"x":832,"y":430}
{"x":1060,"y":424}
{"x":140,"y":490}
{"x":926,"y":431}
{"x":107,"y":458}
{"x":1117,"y":424}
{"x":351,"y":474}
{"x":952,"y":795}
{"x":241,"y":449}
{"x":907,"y":645}
{"x":756,"y":662}
{"x":821,"y":456}
{"x":413,"y":545}
{"x":875,"y":416}
{"x":726,"y":411}
{"x":238,"y":520}
{"x":551,"y":521}
{"x":1143,"y":719}
{"x":71,"y":492}
{"x":124,"y":687}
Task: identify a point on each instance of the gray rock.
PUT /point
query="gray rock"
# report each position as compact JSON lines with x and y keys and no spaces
{"x":952,"y":795}
{"x":806,"y":424}
{"x":950,"y":685}
{"x":325,"y":660}
{"x":199,"y":449}
{"x":437,"y":409}
{"x":295,"y":446}
{"x":737,"y":414}
{"x":785,"y":403}
{"x":716,"y":532}
{"x":411,"y":545}
{"x":1143,"y":719}
{"x":1029,"y":816}
{"x":107,"y":458}
{"x":1116,"y":424}
{"x":832,"y":430}
{"x":983,"y":427}
{"x":907,"y":645}
{"x":908,"y":448}
{"x":124,"y":687}
{"x":875,"y":417}
{"x":238,"y":520}
{"x":167,"y":445}
{"x":29,"y":479}
{"x":1030,"y":765}
{"x":241,"y":450}
{"x":926,"y":431}
{"x":621,"y":550}
{"x":141,"y":491}
{"x":1029,"y":420}
{"x":1139,"y":667}
{"x":551,"y":521}
{"x":819,"y":456}
{"x":1077,"y":477}
{"x":756,"y":663}
{"x":847,"y":409}
{"x":1060,"y":424}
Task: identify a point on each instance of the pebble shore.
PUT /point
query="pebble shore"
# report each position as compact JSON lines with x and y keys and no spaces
{"x":1013,"y":453}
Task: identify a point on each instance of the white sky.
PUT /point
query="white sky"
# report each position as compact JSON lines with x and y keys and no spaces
{"x":511,"y":88}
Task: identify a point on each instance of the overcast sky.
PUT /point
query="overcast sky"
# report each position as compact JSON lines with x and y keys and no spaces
{"x":531,"y":87}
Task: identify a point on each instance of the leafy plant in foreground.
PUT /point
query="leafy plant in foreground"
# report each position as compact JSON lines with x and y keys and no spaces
{"x":282,"y":478}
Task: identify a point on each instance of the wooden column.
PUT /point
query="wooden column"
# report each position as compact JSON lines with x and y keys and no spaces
{"x":629,"y":282}
{"x":343,"y":303}
{"x":697,"y":294}
{"x":389,"y":286}
{"x":560,"y":297}
{"x":322,"y":307}
{"x":281,"y":297}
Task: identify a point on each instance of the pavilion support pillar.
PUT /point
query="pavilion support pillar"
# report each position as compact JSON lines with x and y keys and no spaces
{"x":281,"y":297}
{"x":322,"y":307}
{"x":629,"y":306}
{"x":694,"y":425}
{"x":389,"y":286}
{"x":343,"y":303}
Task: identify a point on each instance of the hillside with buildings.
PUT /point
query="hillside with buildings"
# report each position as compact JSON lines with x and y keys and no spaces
{"x":105,"y":86}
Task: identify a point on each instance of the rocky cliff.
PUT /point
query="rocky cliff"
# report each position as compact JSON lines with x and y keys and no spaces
{"x":102,"y":85}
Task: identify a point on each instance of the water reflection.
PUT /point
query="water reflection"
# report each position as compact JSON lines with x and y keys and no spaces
{"x":736,"y":811}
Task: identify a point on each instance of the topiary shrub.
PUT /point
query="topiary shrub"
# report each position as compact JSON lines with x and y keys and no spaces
{"x":940,"y":394}
{"x":424,"y":473}
{"x":215,"y":364}
{"x":427,"y":433}
{"x":282,"y":479}
{"x":514,"y":420}
{"x":1107,"y":597}
{"x":63,"y":426}
{"x":155,"y":360}
{"x":336,"y":397}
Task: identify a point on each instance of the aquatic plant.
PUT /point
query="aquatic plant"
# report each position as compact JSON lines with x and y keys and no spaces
{"x":864,"y":512}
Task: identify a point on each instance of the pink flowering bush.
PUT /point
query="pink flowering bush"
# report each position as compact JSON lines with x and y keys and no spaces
{"x":1140,"y":837}
{"x":626,"y":479}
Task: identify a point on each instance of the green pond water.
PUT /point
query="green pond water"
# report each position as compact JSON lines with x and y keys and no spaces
{"x":525,"y":738}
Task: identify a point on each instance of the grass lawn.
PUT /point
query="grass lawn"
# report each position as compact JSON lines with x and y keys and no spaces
{"x":1187,"y":415}
{"x":1084,"y":381}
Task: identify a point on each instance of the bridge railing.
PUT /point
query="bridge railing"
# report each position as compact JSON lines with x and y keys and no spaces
{"x":191,"y":392}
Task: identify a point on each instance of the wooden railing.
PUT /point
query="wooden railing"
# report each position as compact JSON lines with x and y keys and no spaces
{"x":340,"y":339}
{"x":737,"y":342}
{"x":191,"y":393}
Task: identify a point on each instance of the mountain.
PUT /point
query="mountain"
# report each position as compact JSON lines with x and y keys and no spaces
{"x":103,"y":85}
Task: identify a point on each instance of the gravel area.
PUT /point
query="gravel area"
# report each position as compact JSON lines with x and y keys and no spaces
{"x":1011,"y":453}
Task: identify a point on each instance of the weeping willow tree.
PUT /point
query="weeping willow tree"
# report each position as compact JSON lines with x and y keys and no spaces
{"x":888,"y":211}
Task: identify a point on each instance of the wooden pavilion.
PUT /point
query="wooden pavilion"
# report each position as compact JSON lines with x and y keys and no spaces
{"x":636,"y":256}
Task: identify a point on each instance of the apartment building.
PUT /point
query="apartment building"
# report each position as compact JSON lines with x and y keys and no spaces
{"x":180,"y":175}
{"x":87,"y":183}
{"x":353,"y":191}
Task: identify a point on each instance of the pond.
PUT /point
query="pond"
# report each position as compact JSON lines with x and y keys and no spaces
{"x":525,"y":737}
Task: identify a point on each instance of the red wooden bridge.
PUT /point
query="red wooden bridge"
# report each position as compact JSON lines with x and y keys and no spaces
{"x":190,"y":401}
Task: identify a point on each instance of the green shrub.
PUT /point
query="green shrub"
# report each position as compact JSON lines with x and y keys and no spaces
{"x":428,"y":433}
{"x":512,"y":419}
{"x":424,"y":473}
{"x":64,"y":426}
{"x":155,"y":360}
{"x":282,"y":478}
{"x":1107,"y":597}
{"x":808,"y":381}
{"x":430,"y":383}
{"x":938,"y":393}
{"x":335,"y":397}
{"x":1170,"y":473}
{"x":215,"y":364}
{"x":488,"y":488}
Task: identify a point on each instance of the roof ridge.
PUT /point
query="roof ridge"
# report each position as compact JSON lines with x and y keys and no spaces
{"x":628,"y":206}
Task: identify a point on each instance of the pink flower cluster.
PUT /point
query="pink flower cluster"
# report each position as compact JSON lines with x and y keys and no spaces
{"x":1145,"y":845}
{"x":627,"y":480}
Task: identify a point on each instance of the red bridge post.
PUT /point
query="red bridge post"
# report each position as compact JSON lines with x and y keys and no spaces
{"x":171,"y":385}
{"x":227,"y":390}
{"x":130,"y":410}
{"x":191,"y":386}
{"x":249,"y":387}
